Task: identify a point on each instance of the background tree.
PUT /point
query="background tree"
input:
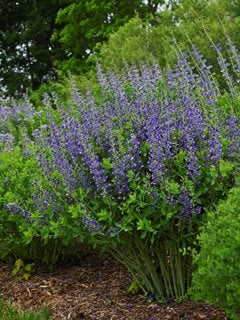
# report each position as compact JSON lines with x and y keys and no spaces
{"x":27,"y":53}
{"x":202,"y":23}
{"x":30,"y":55}
{"x":44,"y":40}
{"x":85,"y":25}
{"x":135,"y":43}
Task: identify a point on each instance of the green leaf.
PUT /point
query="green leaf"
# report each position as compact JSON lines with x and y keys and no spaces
{"x":145,"y":224}
{"x":28,"y":267}
{"x":145,"y":148}
{"x":74,"y":211}
{"x":134,"y":287}
{"x":132,"y":198}
{"x":19,"y":263}
{"x":173,"y":187}
{"x":143,"y":234}
{"x":18,"y":266}
{"x":106,"y":163}
{"x":28,"y":234}
{"x":225,"y":168}
{"x":25,"y":276}
{"x":104,"y":215}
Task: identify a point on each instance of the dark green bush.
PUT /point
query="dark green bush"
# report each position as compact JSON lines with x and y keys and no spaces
{"x":217,"y":279}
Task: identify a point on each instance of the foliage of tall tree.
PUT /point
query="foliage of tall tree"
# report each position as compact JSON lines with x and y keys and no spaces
{"x":203,"y":23}
{"x":26,"y":50}
{"x":87,"y":24}
{"x":30,"y":53}
{"x":135,"y":43}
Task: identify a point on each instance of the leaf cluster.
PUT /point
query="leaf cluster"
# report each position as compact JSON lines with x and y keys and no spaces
{"x":216,"y":279}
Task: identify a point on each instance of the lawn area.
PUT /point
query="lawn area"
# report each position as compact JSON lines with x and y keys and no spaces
{"x":8,"y":312}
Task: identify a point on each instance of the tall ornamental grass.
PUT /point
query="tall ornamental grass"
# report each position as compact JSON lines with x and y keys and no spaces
{"x":134,"y":169}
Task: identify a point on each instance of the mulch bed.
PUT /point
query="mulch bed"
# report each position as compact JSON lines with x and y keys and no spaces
{"x":95,"y":289}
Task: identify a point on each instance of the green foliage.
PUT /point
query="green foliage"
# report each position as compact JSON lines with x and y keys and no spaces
{"x":183,"y":24}
{"x":7,"y":312}
{"x":16,"y":175}
{"x":118,"y":51}
{"x":87,"y":21}
{"x":85,"y":25}
{"x":27,"y":53}
{"x":134,"y":287}
{"x":216,"y":280}
{"x":60,"y":88}
{"x":22,"y":233}
{"x":22,"y":271}
{"x":142,"y":232}
{"x":135,"y":43}
{"x":44,"y":40}
{"x":205,"y":24}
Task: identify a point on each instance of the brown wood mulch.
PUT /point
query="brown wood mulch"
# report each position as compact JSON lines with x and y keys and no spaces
{"x":95,"y":289}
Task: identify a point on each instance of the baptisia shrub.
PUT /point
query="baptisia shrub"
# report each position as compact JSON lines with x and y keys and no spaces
{"x":18,"y":118}
{"x":135,"y":172}
{"x":16,"y":176}
{"x":217,"y":279}
{"x":29,"y":225}
{"x":28,"y":199}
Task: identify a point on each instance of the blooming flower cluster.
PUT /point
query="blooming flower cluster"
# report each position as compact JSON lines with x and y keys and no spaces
{"x":14,"y":208}
{"x":142,"y":129}
{"x":6,"y":141}
{"x":147,"y":123}
{"x":19,"y":112}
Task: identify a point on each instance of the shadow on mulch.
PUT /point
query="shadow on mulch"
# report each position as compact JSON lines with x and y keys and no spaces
{"x":97,"y":290}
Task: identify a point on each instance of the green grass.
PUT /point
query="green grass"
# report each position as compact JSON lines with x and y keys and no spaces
{"x":10,"y":313}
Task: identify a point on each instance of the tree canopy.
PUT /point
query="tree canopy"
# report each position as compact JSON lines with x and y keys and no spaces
{"x":85,"y":25}
{"x":26,"y":51}
{"x":44,"y":40}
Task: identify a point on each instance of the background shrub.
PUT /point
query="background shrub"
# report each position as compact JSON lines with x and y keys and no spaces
{"x":217,"y":279}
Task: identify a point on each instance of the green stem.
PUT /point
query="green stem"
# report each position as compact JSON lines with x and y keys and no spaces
{"x":152,"y":269}
{"x":179,"y":260}
{"x":163,"y":265}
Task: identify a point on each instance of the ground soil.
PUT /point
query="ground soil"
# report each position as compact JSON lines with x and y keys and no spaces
{"x":94,"y":289}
